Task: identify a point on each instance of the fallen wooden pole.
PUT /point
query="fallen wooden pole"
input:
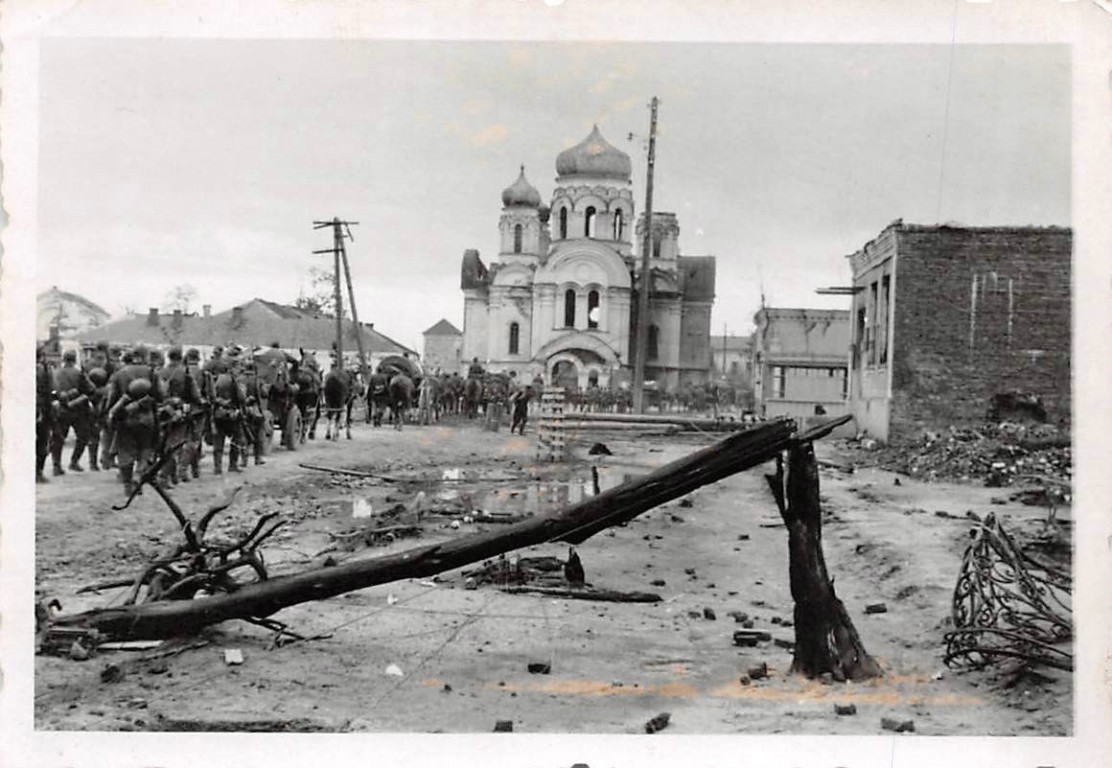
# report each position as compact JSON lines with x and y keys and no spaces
{"x":600,"y":595}
{"x":689,"y":422}
{"x":573,"y":524}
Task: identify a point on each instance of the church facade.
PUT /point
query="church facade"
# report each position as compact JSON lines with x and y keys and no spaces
{"x":559,"y":300}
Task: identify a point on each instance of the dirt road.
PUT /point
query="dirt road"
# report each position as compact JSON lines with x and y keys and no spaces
{"x":433,"y":656}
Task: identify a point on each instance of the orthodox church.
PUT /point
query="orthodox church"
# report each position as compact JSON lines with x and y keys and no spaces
{"x":560,"y":300}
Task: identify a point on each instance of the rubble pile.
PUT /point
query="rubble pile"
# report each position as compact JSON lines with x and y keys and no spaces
{"x":999,"y":454}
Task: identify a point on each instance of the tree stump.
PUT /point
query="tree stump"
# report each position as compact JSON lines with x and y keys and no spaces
{"x":825,"y":639}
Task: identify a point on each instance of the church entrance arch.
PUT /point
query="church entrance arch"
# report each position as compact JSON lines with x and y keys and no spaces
{"x":565,"y":373}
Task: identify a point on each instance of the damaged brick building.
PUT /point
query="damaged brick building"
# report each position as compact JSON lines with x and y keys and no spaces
{"x":946,"y":317}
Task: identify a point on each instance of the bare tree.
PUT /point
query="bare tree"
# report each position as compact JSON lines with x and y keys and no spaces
{"x":180,"y":297}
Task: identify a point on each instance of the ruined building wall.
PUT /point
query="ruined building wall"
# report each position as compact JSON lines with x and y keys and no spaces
{"x":978,"y":312}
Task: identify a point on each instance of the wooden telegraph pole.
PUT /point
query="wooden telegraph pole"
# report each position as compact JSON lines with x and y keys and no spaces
{"x":646,"y":279}
{"x":340,"y":230}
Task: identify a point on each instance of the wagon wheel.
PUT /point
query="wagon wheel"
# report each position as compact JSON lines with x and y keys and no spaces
{"x":291,"y":430}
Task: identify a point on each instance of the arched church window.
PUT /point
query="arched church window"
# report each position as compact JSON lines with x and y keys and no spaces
{"x":654,"y":342}
{"x":656,"y":247}
{"x":589,"y":222}
{"x":517,"y":238}
{"x":569,"y":308}
{"x":515,"y":338}
{"x":563,"y":223}
{"x":592,"y":309}
{"x":619,"y":224}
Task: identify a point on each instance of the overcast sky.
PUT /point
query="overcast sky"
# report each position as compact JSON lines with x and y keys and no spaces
{"x":205,"y":162}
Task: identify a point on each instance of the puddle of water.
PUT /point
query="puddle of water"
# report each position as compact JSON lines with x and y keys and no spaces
{"x":360,"y":508}
{"x":529,"y":498}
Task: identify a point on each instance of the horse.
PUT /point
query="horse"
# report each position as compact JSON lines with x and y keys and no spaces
{"x":428,"y":400}
{"x":338,"y":401}
{"x":401,"y":398}
{"x":378,"y":397}
{"x":472,"y":394}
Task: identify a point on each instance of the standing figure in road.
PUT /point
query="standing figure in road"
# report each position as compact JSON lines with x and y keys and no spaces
{"x":44,"y":411}
{"x":255,"y":409}
{"x":176,"y":415}
{"x":520,"y":404}
{"x":112,"y":364}
{"x":227,"y":416}
{"x":198,"y":421}
{"x":75,"y":411}
{"x":132,"y":411}
{"x":99,"y":402}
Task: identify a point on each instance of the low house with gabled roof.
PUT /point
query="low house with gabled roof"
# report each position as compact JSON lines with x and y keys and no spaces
{"x":256,"y":324}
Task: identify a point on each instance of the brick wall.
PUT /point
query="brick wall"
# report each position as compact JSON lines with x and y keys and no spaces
{"x":956,"y":345}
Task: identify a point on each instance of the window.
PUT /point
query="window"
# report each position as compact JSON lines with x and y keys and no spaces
{"x":515,"y":338}
{"x":563,"y":223}
{"x":778,"y":376}
{"x":569,"y":308}
{"x":592,"y":309}
{"x":882,"y":317}
{"x":619,"y":224}
{"x":656,"y":247}
{"x":654,"y":342}
{"x":517,"y":238}
{"x":872,"y":322}
{"x":859,"y":339}
{"x":589,"y":222}
{"x":592,"y":379}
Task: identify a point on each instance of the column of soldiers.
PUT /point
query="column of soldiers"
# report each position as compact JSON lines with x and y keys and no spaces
{"x":123,"y":406}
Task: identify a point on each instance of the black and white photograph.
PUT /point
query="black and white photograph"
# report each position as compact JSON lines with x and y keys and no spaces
{"x":415,"y":372}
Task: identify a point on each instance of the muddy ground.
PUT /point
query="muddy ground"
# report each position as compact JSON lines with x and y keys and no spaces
{"x":435,"y":656}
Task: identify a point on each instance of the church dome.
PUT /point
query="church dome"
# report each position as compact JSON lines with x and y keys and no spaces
{"x":594,"y":156}
{"x":521,"y":192}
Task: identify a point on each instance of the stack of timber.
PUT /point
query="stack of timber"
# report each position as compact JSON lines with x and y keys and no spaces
{"x":663,"y":422}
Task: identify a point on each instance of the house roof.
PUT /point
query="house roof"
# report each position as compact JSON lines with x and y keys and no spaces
{"x":55,"y":294}
{"x":258,"y":323}
{"x":443,"y":328}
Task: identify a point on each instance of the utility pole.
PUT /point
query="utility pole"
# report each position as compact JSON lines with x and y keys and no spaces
{"x":724,"y":350}
{"x":646,"y":280}
{"x":339,"y":255}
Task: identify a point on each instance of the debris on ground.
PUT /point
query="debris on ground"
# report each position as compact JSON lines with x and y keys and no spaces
{"x":876,"y":608}
{"x":503,"y":726}
{"x":233,"y":657}
{"x":899,"y":726}
{"x":658,"y":723}
{"x":997,"y":454}
{"x":599,"y":449}
{"x":539,"y":668}
{"x":845,"y":709}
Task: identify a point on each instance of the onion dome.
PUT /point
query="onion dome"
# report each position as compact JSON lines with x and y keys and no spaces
{"x":594,"y":156}
{"x":521,"y":193}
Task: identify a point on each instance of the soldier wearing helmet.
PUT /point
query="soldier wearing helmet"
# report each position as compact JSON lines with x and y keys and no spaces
{"x":181,"y":396}
{"x":75,"y":411}
{"x":228,"y":400}
{"x":132,"y":404}
{"x":98,"y":402}
{"x":199,"y":418}
{"x":44,"y":411}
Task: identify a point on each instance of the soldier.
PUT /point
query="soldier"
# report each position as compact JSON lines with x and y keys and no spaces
{"x":74,"y":390}
{"x":199,"y":419}
{"x":44,"y":411}
{"x":475,"y":370}
{"x":227,"y":415}
{"x":254,"y":412}
{"x":99,"y":406}
{"x":182,"y":396}
{"x":108,"y":431}
{"x":132,"y":404}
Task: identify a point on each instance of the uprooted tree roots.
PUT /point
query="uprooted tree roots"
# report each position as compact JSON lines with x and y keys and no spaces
{"x":199,"y":565}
